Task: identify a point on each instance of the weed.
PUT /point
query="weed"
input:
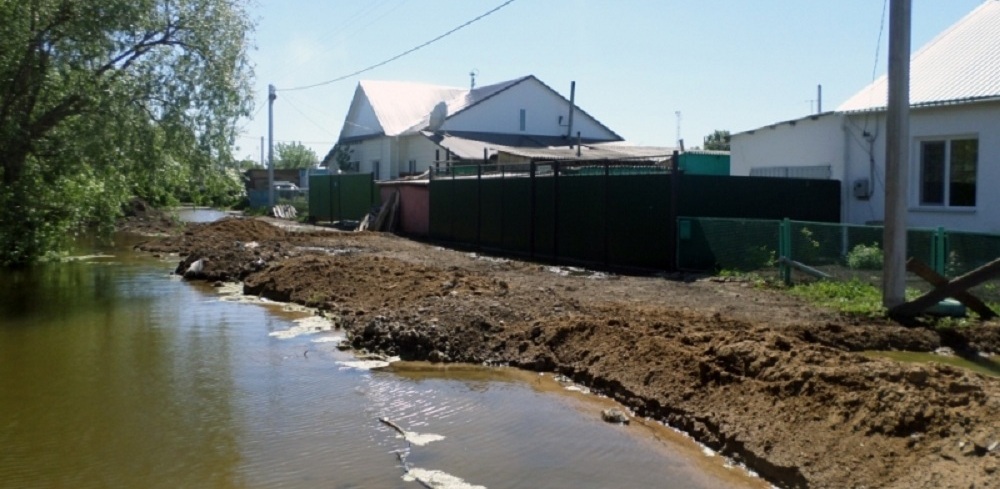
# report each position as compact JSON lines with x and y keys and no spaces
{"x":851,"y":297}
{"x":864,"y":257}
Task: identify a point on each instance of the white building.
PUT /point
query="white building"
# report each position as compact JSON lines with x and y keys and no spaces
{"x":954,"y":136}
{"x":402,"y":128}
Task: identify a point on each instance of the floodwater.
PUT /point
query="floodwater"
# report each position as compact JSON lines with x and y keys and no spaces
{"x":984,"y":365}
{"x":115,"y":374}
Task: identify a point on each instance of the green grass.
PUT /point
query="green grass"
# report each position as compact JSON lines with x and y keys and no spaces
{"x":851,"y":297}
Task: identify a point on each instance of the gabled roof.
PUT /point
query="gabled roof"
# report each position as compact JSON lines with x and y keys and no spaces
{"x":961,"y":64}
{"x":405,"y":107}
{"x":398,"y":105}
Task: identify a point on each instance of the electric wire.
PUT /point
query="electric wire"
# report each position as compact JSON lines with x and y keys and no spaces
{"x":290,"y":65}
{"x":400,"y":55}
{"x":306,"y":117}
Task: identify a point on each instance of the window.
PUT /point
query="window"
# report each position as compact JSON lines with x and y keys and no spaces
{"x":948,"y":172}
{"x":375,"y":168}
{"x":524,"y":119}
{"x":413,"y":166}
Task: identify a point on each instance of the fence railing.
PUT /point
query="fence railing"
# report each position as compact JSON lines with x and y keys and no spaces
{"x":841,"y":251}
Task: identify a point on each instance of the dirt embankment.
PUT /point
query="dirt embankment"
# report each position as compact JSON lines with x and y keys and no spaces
{"x":754,"y":374}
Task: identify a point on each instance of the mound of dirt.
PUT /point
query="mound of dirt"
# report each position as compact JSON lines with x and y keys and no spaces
{"x":754,"y":374}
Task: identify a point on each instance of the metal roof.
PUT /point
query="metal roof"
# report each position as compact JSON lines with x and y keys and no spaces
{"x":591,"y":152}
{"x":470,"y":145}
{"x":398,"y":105}
{"x":962,"y":64}
{"x":405,"y":107}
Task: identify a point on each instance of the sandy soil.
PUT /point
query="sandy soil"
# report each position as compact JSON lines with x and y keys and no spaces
{"x":755,"y":374}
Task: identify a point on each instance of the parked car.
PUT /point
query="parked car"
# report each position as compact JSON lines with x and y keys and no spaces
{"x":282,"y":185}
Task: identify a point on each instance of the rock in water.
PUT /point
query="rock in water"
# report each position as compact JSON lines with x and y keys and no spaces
{"x":614,"y":415}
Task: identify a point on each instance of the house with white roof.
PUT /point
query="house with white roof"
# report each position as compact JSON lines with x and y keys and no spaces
{"x":954,"y":136}
{"x":396,"y":128}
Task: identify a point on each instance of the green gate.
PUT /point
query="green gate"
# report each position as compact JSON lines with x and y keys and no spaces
{"x":341,"y":197}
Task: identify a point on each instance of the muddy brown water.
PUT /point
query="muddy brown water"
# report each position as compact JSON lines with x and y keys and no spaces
{"x":114,"y":374}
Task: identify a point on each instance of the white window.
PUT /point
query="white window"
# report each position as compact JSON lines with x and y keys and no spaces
{"x":947,"y":172}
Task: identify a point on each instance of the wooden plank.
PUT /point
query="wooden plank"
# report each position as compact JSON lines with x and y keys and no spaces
{"x":963,"y":283}
{"x":972,"y":302}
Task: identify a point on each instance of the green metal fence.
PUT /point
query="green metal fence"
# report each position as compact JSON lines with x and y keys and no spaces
{"x":618,"y":214}
{"x":842,"y":251}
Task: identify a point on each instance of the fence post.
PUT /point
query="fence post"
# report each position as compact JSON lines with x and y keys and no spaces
{"x":939,"y":251}
{"x":672,"y":212}
{"x":479,"y":205}
{"x":607,"y":205}
{"x":555,"y":212}
{"x":531,"y":218}
{"x":785,"y":249}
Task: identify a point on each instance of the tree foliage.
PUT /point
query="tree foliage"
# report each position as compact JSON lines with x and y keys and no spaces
{"x":101,"y":100}
{"x":294,"y":155}
{"x":717,"y":141}
{"x":338,"y":157}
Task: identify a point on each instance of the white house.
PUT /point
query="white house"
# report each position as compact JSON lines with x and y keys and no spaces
{"x":401,"y":128}
{"x":954,"y":136}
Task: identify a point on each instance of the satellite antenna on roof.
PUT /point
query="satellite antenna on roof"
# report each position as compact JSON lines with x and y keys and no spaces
{"x":438,"y":114}
{"x":472,"y":77}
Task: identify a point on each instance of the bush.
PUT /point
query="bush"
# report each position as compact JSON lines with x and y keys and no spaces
{"x":865,"y":257}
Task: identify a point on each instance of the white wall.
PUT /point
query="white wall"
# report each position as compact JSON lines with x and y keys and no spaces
{"x":417,"y":147}
{"x":981,"y":121}
{"x":502,"y":114}
{"x":854,"y":145}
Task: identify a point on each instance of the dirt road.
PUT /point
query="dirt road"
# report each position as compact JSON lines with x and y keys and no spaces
{"x":759,"y":376}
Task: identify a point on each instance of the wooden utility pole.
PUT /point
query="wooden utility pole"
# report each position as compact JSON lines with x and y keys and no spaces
{"x":897,"y":154}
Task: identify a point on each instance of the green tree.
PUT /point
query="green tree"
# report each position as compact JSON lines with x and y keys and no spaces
{"x":717,"y":141}
{"x":101,"y":100}
{"x":339,"y":157}
{"x":294,"y":155}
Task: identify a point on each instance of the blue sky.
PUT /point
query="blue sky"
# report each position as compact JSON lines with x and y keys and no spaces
{"x":723,"y":64}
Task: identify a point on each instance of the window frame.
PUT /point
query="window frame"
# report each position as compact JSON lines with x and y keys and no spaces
{"x":947,"y":170}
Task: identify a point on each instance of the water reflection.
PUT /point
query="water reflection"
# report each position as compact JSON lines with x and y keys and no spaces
{"x":100,"y":389}
{"x":114,"y":375}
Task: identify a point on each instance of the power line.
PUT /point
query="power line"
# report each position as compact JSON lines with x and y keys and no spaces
{"x":400,"y":55}
{"x":257,"y":138}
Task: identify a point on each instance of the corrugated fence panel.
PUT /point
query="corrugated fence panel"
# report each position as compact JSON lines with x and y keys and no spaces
{"x":639,"y":228}
{"x":516,"y":215}
{"x":319,"y":197}
{"x":492,"y":198}
{"x":465,"y":210}
{"x":441,"y":204}
{"x":759,"y":198}
{"x":545,"y":217}
{"x":581,"y":219}
{"x":357,"y":194}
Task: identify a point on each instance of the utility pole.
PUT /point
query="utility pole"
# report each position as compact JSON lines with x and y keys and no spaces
{"x":678,"y":114}
{"x":262,"y":160}
{"x":897,"y":154}
{"x":271,"y":95}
